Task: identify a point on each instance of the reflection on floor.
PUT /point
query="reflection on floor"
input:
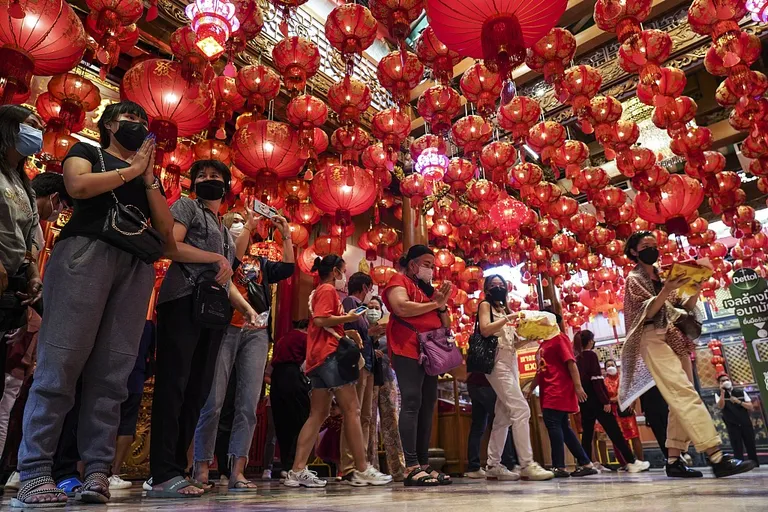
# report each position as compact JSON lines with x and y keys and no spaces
{"x":613,"y":492}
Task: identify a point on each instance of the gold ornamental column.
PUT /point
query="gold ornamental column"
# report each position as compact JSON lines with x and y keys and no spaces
{"x":414,"y":226}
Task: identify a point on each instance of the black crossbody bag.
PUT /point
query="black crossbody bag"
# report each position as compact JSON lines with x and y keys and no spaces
{"x":211,"y":307}
{"x":126,"y":228}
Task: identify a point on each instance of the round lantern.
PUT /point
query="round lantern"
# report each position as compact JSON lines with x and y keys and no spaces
{"x":518,"y":116}
{"x":523,"y":174}
{"x":258,"y":84}
{"x":349,"y":141}
{"x":428,"y":141}
{"x":679,"y":199}
{"x":508,"y":214}
{"x":497,"y":157}
{"x":621,"y":17}
{"x":645,"y":53}
{"x":391,"y":126}
{"x":415,"y":187}
{"x":458,"y":173}
{"x":579,"y":86}
{"x":267,"y":147}
{"x":382,"y":274}
{"x":438,"y":105}
{"x":332,"y":192}
{"x":306,"y":260}
{"x":397,"y":16}
{"x":350,"y":28}
{"x":545,"y":137}
{"x":75,"y":95}
{"x":195,"y":68}
{"x":482,"y":87}
{"x":349,"y":98}
{"x":110,"y":43}
{"x":305,"y":112}
{"x":159,"y":87}
{"x":471,"y":133}
{"x":227,"y":101}
{"x":498,"y":32}
{"x":212,"y":150}
{"x":435,"y":55}
{"x":571,"y":156}
{"x":399,"y":72}
{"x":47,"y":40}
{"x":213,"y":23}
{"x":297,"y":59}
{"x":552,"y":53}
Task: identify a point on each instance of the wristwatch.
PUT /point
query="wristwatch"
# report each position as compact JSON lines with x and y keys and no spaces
{"x":154,"y":185}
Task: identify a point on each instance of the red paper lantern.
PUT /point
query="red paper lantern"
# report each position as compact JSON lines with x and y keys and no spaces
{"x":414,"y":186}
{"x":382,"y":274}
{"x":307,"y":213}
{"x":670,"y":84}
{"x":438,"y":105}
{"x":518,"y":116}
{"x":49,"y":110}
{"x":498,"y":156}
{"x":75,"y":95}
{"x":525,"y":174}
{"x":351,"y":29}
{"x":47,"y":40}
{"x":602,"y":113}
{"x":623,"y":18}
{"x":435,"y":55}
{"x":481,"y":86}
{"x":297,"y":59}
{"x":159,"y":87}
{"x":545,"y":137}
{"x":552,"y":53}
{"x":349,"y":98}
{"x":195,"y":67}
{"x":571,"y":156}
{"x":391,"y":126}
{"x":470,"y":133}
{"x":306,"y":260}
{"x":579,"y":86}
{"x":212,"y":150}
{"x":458,"y":173}
{"x":267,"y":147}
{"x":634,"y":160}
{"x":375,"y":159}
{"x":306,"y":112}
{"x":343,"y":191}
{"x":645,"y":53}
{"x":399,"y":72}
{"x":498,"y":32}
{"x":227,"y":101}
{"x":563,"y":208}
{"x":258,"y":84}
{"x":715,"y":19}
{"x":349,"y":141}
{"x":679,"y":199}
{"x":397,"y":16}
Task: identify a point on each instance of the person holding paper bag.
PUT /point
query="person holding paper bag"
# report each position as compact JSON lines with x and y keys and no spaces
{"x":657,"y":351}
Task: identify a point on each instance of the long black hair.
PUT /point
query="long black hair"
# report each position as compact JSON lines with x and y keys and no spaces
{"x":114,"y":111}
{"x":11,"y":117}
{"x":633,"y":241}
{"x":487,"y":288}
{"x":581,"y":339}
{"x":325,"y":266}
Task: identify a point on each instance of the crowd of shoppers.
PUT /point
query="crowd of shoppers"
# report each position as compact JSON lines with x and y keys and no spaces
{"x":95,"y":348}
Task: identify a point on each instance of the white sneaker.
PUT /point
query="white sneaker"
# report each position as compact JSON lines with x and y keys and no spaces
{"x":304,"y":478}
{"x":475,"y":475}
{"x":371,"y":476}
{"x":638,"y":466}
{"x":116,"y":483}
{"x":147,"y":485}
{"x":14,"y":481}
{"x":535,"y":472}
{"x":283,"y":475}
{"x":501,"y":473}
{"x":267,"y":474}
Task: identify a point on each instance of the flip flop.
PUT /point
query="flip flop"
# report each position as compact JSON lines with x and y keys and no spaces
{"x":174,"y":485}
{"x":71,"y":486}
{"x":244,"y":488}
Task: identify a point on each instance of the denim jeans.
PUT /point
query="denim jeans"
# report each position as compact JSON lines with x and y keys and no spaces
{"x":483,"y":405}
{"x":559,"y":428}
{"x":246,"y":351}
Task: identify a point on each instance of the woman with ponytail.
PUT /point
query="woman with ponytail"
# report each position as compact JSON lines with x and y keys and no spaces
{"x":324,"y":337}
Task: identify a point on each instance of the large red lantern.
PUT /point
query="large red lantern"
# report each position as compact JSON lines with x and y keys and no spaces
{"x":399,"y":72}
{"x":482,"y":87}
{"x":349,"y":98}
{"x":47,"y":40}
{"x":112,"y":25}
{"x":176,"y":163}
{"x":391,"y":126}
{"x":645,"y":53}
{"x":349,"y":142}
{"x":679,"y":199}
{"x":159,"y":87}
{"x":297,"y":59}
{"x":267,"y":147}
{"x":332,"y":192}
{"x":435,"y":55}
{"x":76,"y":95}
{"x":579,"y":86}
{"x":438,"y":105}
{"x":524,"y":174}
{"x":258,"y":84}
{"x":552,"y":53}
{"x":498,"y":32}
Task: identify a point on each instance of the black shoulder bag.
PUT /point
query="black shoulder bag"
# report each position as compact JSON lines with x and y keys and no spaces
{"x":481,"y":355}
{"x":126,"y":228}
{"x":210,"y":301}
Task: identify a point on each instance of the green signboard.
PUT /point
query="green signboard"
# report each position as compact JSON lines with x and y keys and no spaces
{"x":749,"y":301}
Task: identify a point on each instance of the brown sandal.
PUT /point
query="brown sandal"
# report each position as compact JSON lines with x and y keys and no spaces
{"x":95,"y":489}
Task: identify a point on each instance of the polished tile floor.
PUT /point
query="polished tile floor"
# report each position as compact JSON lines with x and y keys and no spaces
{"x":646,"y":492}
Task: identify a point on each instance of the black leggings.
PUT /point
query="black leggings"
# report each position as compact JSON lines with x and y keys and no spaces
{"x":418,"y":394}
{"x":591,"y":411}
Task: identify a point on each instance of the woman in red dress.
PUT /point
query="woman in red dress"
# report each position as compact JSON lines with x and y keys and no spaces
{"x":628,"y":424}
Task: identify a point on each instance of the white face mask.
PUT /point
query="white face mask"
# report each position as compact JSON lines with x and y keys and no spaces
{"x":54,"y":212}
{"x":341,"y":284}
{"x":611,"y":370}
{"x":727,"y":384}
{"x":373,"y":315}
{"x":425,"y":274}
{"x":236,"y":229}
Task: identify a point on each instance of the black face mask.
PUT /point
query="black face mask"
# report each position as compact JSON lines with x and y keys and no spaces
{"x":649,"y":255}
{"x":131,"y":135}
{"x":427,"y":288}
{"x":210,"y":190}
{"x":498,"y":294}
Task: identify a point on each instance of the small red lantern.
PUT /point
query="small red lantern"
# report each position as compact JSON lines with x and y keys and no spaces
{"x":349,"y":142}
{"x":525,"y":174}
{"x":351,"y":29}
{"x":645,"y":53}
{"x":623,"y":18}
{"x":571,"y":156}
{"x":580,"y":84}
{"x":518,"y":116}
{"x":259,"y":85}
{"x":438,"y":105}
{"x":349,"y":99}
{"x":211,"y":149}
{"x":227,"y":101}
{"x":391,"y":126}
{"x":305,"y":112}
{"x":436,"y":55}
{"x":195,"y":67}
{"x":545,"y":137}
{"x":498,"y":156}
{"x":297,"y":59}
{"x":414,"y":186}
{"x":470,"y":133}
{"x":397,"y":16}
{"x":335,"y":192}
{"x":552,"y":53}
{"x":481,"y":86}
{"x":458,"y":173}
{"x":399,"y":72}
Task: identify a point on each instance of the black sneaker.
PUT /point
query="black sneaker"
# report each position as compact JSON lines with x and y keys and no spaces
{"x":584,"y":471}
{"x":679,"y":469}
{"x":560,"y":473}
{"x":730,"y":466}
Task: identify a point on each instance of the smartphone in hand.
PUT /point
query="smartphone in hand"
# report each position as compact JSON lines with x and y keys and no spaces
{"x":264,"y":209}
{"x":360,"y":310}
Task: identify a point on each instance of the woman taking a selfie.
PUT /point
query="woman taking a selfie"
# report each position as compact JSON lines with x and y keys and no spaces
{"x":657,"y":350}
{"x":96,"y":292}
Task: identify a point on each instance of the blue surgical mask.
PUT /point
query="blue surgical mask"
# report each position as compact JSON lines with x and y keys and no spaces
{"x":29,"y":140}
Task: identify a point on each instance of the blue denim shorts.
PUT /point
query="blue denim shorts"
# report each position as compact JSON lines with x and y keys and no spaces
{"x":326,"y":376}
